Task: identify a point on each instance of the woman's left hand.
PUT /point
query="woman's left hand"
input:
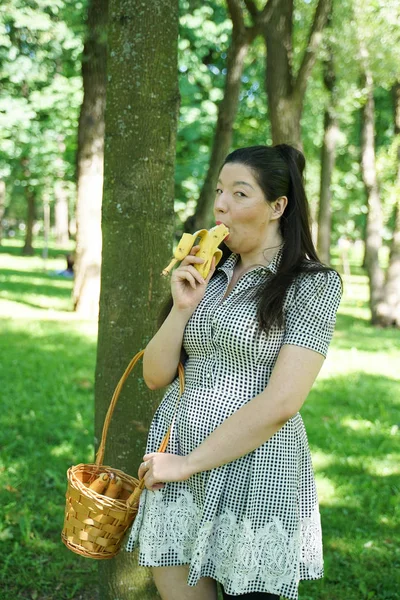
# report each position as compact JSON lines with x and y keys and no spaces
{"x":161,"y":467}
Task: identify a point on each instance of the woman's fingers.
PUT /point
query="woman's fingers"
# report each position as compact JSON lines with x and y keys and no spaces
{"x":190,"y":259}
{"x":191,"y":274}
{"x":187,"y":276}
{"x":194,"y":249}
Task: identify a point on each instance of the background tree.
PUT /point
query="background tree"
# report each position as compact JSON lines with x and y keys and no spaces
{"x":90,"y":162}
{"x":2,"y":205}
{"x":285,"y":90}
{"x":328,"y":152}
{"x":241,"y":39}
{"x":374,"y":225}
{"x":388,"y":310}
{"x":137,"y":225}
{"x":40,"y":45}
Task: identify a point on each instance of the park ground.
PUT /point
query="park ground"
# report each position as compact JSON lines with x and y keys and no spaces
{"x":46,"y":425}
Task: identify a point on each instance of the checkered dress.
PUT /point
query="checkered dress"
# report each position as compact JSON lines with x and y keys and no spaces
{"x":252,"y":524}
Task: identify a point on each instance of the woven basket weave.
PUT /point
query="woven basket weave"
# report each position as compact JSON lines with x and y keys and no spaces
{"x":94,"y":525}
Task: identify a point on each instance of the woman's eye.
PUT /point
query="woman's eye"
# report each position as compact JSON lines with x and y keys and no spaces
{"x":241,"y":194}
{"x":218,"y":190}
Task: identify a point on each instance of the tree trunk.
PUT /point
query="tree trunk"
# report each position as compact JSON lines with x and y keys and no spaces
{"x":61,"y":213}
{"x":373,"y":237}
{"x":227,"y":110}
{"x":2,"y":206}
{"x":90,"y":163}
{"x":285,"y":92}
{"x":28,"y":250}
{"x":242,"y":38}
{"x":327,"y":164}
{"x":61,"y":199}
{"x":389,"y":308}
{"x":137,"y":224}
{"x":284,"y":114}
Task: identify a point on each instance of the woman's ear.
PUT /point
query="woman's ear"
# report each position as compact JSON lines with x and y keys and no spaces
{"x":278,"y":207}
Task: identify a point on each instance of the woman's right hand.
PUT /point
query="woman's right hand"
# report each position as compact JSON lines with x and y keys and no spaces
{"x":187,"y":285}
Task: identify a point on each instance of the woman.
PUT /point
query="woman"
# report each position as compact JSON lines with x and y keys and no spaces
{"x":233,"y":499}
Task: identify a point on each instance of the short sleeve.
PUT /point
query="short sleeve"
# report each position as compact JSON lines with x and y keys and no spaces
{"x":311,"y":316}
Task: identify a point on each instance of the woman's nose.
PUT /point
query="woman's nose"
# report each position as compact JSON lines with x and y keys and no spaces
{"x":220,"y":204}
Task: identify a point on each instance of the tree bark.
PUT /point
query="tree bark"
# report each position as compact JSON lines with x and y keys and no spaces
{"x":328,"y":152}
{"x":61,"y":213}
{"x":389,"y":309}
{"x":242,"y":38}
{"x":61,"y":199}
{"x":90,"y":163}
{"x":28,"y":249}
{"x":285,"y":92}
{"x":137,"y":224}
{"x":373,"y":236}
{"x":2,"y":206}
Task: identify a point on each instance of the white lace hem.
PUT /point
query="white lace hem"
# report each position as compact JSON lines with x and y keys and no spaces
{"x":239,"y":553}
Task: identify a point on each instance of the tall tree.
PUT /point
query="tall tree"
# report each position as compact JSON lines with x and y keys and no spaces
{"x":285,"y":90}
{"x":389,"y":308}
{"x":61,"y":199}
{"x":30,"y":196}
{"x":327,"y":157}
{"x":137,"y":225}
{"x":242,"y":38}
{"x":2,"y":206}
{"x":39,"y":99}
{"x":90,"y":162}
{"x":374,"y":224}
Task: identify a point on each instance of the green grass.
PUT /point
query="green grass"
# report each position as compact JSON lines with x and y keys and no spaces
{"x":46,"y":425}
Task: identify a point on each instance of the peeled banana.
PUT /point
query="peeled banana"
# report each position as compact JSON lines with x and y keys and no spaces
{"x":209,"y":242}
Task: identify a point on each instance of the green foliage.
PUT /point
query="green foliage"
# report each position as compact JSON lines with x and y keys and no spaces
{"x":41,"y":92}
{"x":204,"y":34}
{"x":47,"y":375}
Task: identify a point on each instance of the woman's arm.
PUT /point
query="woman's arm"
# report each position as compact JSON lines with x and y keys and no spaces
{"x":257,"y":421}
{"x":249,"y":427}
{"x":162,"y":353}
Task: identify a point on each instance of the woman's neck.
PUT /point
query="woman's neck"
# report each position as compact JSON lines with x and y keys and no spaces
{"x":263,"y":256}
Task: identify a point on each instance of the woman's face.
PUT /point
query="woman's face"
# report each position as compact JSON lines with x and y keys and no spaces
{"x":241,"y":205}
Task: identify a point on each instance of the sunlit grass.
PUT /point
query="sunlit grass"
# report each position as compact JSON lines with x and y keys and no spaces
{"x":46,"y":425}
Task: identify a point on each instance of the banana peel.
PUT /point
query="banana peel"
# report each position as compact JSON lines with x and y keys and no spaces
{"x":209,"y":242}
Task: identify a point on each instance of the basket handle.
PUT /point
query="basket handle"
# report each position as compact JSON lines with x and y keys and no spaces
{"x":128,"y":370}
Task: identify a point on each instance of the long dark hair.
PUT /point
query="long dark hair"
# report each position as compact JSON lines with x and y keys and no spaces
{"x":278,"y":171}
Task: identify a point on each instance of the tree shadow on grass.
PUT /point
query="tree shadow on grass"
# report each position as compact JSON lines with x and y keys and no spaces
{"x":45,"y":426}
{"x":352,"y":332}
{"x":360,"y":557}
{"x":352,"y":424}
{"x":16,"y":250}
{"x":353,"y":414}
{"x":17,"y":286}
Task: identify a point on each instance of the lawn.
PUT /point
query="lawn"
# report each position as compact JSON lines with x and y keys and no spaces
{"x":46,"y":424}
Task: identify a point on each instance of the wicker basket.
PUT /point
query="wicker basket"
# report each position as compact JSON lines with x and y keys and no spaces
{"x":94,"y":525}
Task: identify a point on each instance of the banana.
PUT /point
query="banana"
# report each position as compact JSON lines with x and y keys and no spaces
{"x":100,"y":484}
{"x":209,"y":242}
{"x":182,"y":250}
{"x":114,"y":488}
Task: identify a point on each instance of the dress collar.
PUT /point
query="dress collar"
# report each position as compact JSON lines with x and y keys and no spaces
{"x":233,"y":258}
